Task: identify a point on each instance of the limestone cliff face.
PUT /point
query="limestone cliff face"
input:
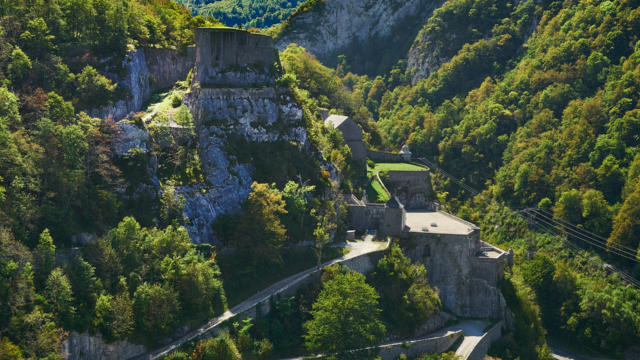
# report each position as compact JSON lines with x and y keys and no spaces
{"x":425,"y":57}
{"x":222,"y":115}
{"x":145,"y":72}
{"x":383,"y":29}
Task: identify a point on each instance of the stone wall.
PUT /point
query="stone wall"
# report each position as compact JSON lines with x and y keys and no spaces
{"x":166,"y":67}
{"x":417,"y":347}
{"x":394,"y":221}
{"x":479,"y":352}
{"x":451,"y":266}
{"x":489,"y":269}
{"x":234,"y":57}
{"x":413,"y":188}
{"x":145,"y":72}
{"x":383,"y":156}
{"x":366,"y":217}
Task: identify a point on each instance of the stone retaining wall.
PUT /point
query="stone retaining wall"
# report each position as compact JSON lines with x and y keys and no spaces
{"x":417,"y":347}
{"x":84,"y":346}
{"x":482,"y":347}
{"x":413,"y":188}
{"x":383,"y":156}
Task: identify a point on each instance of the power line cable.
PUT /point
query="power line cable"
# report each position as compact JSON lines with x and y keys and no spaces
{"x":589,"y":241}
{"x":574,"y":232}
{"x":551,"y":228}
{"x":590,"y":234}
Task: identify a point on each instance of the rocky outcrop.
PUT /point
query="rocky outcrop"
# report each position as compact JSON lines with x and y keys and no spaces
{"x":84,"y":346}
{"x":425,"y":57}
{"x":145,"y":72}
{"x":249,"y":115}
{"x":130,"y":137}
{"x":376,"y":31}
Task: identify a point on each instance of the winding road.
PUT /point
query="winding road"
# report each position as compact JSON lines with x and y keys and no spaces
{"x":356,"y":248}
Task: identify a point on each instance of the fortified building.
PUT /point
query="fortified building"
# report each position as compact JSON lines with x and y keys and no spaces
{"x":465,"y":269}
{"x":226,"y":56}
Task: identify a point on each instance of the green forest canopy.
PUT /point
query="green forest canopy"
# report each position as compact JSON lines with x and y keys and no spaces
{"x":245,"y":13}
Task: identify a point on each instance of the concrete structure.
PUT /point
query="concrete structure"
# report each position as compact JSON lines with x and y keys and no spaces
{"x":352,"y":134}
{"x":236,"y":58}
{"x":465,"y":269}
{"x":385,"y":156}
{"x":413,"y":188}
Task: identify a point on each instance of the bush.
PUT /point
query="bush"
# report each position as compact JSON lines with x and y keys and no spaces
{"x":176,"y":100}
{"x":94,"y":89}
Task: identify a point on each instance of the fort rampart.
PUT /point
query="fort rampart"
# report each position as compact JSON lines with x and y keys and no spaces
{"x":231,"y":57}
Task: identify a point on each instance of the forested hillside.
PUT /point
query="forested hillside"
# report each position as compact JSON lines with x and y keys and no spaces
{"x":542,"y":112}
{"x":58,"y":178}
{"x":245,"y":13}
{"x":535,"y":104}
{"x":550,"y":121}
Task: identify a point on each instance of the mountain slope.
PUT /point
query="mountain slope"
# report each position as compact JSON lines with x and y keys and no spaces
{"x":372,"y":35}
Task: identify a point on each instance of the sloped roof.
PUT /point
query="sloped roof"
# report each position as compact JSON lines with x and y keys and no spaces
{"x":335,"y":120}
{"x":351,"y":131}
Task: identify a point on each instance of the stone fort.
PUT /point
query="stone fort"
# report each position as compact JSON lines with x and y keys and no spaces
{"x":465,"y":269}
{"x":230,"y":57}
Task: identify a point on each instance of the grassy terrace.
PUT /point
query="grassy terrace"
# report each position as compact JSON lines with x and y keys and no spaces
{"x":380,"y":167}
{"x":375,"y":191}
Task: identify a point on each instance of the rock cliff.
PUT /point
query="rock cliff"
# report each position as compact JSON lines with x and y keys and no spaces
{"x":251,"y":115}
{"x":372,"y":34}
{"x":425,"y":57}
{"x":145,"y":72}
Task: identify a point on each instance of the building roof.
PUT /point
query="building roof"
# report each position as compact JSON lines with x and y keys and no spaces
{"x":437,"y":222}
{"x":335,"y":120}
{"x":351,"y":131}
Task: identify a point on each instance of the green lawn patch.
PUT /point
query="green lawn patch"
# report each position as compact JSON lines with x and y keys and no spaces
{"x":376,"y":193}
{"x":393,"y":167}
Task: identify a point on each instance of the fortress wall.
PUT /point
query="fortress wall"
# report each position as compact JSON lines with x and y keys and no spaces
{"x":413,"y":188}
{"x":234,"y":57}
{"x":452,"y":268}
{"x":416,"y":348}
{"x":481,"y":349}
{"x":366,"y":217}
{"x":383,"y":156}
{"x":489,"y":269}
